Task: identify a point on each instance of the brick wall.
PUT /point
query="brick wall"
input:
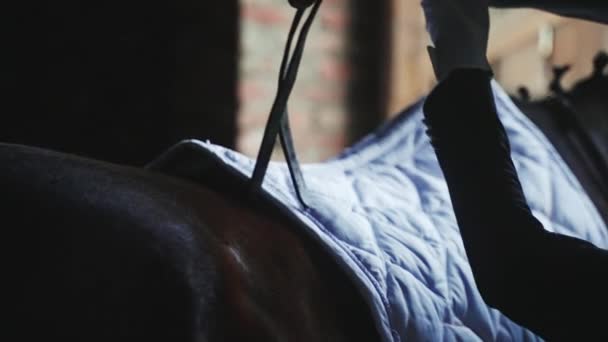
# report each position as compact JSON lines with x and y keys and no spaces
{"x":318,"y":106}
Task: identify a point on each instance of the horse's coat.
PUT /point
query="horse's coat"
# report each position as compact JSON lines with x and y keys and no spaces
{"x":383,"y":210}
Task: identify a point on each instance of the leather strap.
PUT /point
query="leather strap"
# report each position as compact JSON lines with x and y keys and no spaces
{"x":278,"y":120}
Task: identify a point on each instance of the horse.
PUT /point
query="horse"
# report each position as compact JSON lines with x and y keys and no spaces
{"x":102,"y":252}
{"x":97,"y":251}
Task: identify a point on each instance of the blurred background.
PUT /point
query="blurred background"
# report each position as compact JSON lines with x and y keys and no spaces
{"x":123,"y":80}
{"x":367,"y":61}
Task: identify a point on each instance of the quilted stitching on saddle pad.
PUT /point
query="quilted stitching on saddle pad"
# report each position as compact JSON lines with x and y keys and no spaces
{"x":383,"y":210}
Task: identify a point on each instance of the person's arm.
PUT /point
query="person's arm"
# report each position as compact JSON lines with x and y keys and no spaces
{"x":552,"y":284}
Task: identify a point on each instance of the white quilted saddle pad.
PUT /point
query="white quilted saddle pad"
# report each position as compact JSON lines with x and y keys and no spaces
{"x":382,"y":208}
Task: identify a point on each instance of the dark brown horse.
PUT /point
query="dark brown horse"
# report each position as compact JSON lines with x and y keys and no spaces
{"x":99,"y":252}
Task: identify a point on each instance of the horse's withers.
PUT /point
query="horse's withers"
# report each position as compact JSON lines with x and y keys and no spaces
{"x":99,"y":252}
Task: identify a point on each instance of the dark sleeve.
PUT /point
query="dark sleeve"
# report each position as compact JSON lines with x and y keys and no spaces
{"x":549,"y":283}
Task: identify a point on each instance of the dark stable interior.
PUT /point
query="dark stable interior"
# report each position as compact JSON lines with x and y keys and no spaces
{"x":576,"y":123}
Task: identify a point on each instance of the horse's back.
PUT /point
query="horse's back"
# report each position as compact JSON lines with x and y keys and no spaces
{"x":96,"y":252}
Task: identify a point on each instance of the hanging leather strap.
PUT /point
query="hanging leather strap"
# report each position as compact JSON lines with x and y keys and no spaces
{"x":278,"y":120}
